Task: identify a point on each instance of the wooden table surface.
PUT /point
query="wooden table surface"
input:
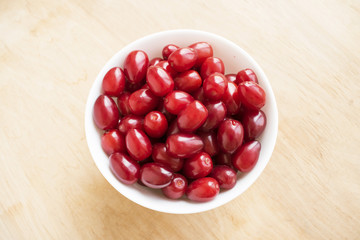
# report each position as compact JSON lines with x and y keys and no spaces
{"x":50,"y":54}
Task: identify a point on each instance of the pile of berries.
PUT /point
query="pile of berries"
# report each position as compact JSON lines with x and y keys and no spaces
{"x":180,"y":124}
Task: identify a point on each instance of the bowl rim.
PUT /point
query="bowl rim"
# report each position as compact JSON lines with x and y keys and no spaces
{"x":269,"y":94}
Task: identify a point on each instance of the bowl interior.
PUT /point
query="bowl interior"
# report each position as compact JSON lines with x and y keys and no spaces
{"x":234,"y":59}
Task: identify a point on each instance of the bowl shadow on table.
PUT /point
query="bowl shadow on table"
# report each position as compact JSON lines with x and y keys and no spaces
{"x":111,"y":215}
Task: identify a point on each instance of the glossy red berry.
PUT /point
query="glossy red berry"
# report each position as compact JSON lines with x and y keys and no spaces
{"x":225,"y":176}
{"x":251,"y":95}
{"x":182,"y":59}
{"x":210,"y":143}
{"x":123,"y":103}
{"x":166,"y":65}
{"x":246,"y":157}
{"x":142,"y":101}
{"x":231,"y":78}
{"x":159,"y":81}
{"x":113,"y":141}
{"x":188,"y":81}
{"x":130,"y":122}
{"x":126,"y":169}
{"x":184,"y":145}
{"x":231,"y":99}
{"x":169,"y":49}
{"x":216,"y":114}
{"x":211,"y":65}
{"x":203,"y":189}
{"x":246,"y":75}
{"x":155,"y":124}
{"x":106,"y":113}
{"x":203,"y":50}
{"x":192,"y":117}
{"x":155,"y":175}
{"x":160,"y":155}
{"x":155,"y":61}
{"x":199,"y":165}
{"x":215,"y":86}
{"x":114,"y":82}
{"x":138,"y":144}
{"x":177,"y":101}
{"x":177,"y":187}
{"x":254,"y":123}
{"x":230,"y":135}
{"x":135,"y":66}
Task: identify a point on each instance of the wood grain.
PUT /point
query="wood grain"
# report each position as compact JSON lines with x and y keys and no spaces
{"x":50,"y":53}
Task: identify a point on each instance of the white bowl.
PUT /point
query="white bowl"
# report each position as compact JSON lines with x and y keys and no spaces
{"x":235,"y":59}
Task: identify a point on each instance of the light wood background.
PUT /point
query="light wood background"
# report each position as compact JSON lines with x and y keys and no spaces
{"x":50,"y":54}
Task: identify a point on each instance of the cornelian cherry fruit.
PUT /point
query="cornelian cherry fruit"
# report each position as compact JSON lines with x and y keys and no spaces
{"x":178,"y":124}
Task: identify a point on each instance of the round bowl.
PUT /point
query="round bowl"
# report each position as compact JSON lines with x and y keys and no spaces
{"x":235,"y":59}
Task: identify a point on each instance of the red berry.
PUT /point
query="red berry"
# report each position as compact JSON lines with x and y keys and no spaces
{"x":142,"y":101}
{"x":177,"y":101}
{"x":123,"y":103}
{"x":114,"y":82}
{"x":225,"y":176}
{"x":183,"y":145}
{"x":203,"y":189}
{"x":230,"y":135}
{"x":155,"y":175}
{"x":216,"y":114}
{"x":231,"y":78}
{"x":211,"y":65}
{"x":155,"y":124}
{"x":135,"y":66}
{"x":246,"y":75}
{"x":192,"y":117}
{"x":130,"y":122}
{"x":203,"y":50}
{"x":182,"y":59}
{"x":254,"y":123}
{"x":106,"y":113}
{"x":166,"y":66}
{"x":160,"y":155}
{"x":159,"y":81}
{"x":252,"y":95}
{"x":215,"y":86}
{"x":246,"y":157}
{"x":188,"y":81}
{"x":169,"y":49}
{"x":113,"y":141}
{"x":138,"y":144}
{"x":199,"y":165}
{"x":210,"y":143}
{"x":155,"y":61}
{"x":177,"y":187}
{"x":124,"y":168}
{"x":231,"y":99}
